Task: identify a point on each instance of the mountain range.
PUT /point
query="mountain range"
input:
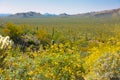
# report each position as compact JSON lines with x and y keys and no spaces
{"x":26,"y":14}
{"x":112,"y":12}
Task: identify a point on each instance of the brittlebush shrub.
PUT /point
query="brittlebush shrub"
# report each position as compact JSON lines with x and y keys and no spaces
{"x":14,"y":31}
{"x":107,"y":67}
{"x":17,"y":67}
{"x":43,"y":36}
{"x":62,"y":62}
{"x":63,"y":67}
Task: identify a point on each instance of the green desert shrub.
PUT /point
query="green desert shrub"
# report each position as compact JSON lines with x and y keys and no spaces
{"x":43,"y":36}
{"x":14,"y":31}
{"x":62,"y":67}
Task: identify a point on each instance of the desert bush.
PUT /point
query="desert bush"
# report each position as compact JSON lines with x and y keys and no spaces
{"x":5,"y":44}
{"x":22,"y":37}
{"x":62,"y":62}
{"x":43,"y":36}
{"x":14,"y":31}
{"x":64,"y":67}
{"x":17,"y":67}
{"x":107,"y":67}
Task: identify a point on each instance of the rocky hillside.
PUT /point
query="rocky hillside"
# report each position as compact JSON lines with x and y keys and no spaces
{"x":113,"y":12}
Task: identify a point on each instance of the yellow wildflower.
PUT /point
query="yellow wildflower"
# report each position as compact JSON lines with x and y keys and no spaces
{"x":30,"y":73}
{"x":1,"y":71}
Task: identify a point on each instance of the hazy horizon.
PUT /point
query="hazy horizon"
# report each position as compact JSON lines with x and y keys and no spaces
{"x":57,"y":6}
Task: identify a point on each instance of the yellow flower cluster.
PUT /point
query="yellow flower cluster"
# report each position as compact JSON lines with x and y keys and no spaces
{"x":103,"y":61}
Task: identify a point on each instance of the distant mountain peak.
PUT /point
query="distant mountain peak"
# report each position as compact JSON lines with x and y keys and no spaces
{"x":26,"y":14}
{"x":49,"y":14}
{"x":63,"y":14}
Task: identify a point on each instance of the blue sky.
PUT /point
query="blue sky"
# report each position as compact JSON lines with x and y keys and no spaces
{"x":57,"y":6}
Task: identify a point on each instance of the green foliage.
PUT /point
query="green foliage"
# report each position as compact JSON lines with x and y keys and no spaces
{"x":14,"y":31}
{"x":66,"y":66}
{"x":43,"y":36}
